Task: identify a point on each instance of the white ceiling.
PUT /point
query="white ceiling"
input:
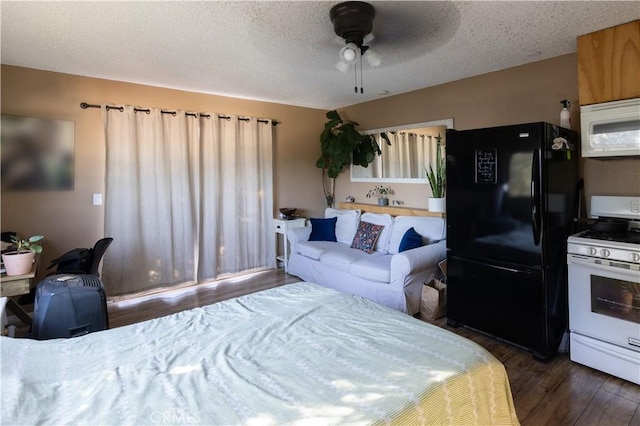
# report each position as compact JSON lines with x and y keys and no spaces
{"x":285,"y":52}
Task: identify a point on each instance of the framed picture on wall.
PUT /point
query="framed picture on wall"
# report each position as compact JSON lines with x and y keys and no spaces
{"x":37,"y":154}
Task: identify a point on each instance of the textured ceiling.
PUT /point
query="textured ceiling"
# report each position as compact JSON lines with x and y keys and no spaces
{"x":285,"y":52}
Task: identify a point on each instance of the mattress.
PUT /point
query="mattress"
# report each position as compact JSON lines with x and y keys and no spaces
{"x":297,"y":354}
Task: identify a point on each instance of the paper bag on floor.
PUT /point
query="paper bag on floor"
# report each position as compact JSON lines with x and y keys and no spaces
{"x":434,"y":300}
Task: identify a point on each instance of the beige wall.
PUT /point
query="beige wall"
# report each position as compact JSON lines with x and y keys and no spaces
{"x":528,"y":93}
{"x":68,"y":219}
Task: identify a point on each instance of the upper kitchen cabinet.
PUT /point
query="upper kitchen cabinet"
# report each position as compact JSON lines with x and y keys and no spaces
{"x":609,"y":64}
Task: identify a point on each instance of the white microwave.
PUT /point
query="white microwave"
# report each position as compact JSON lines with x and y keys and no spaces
{"x":611,"y":129}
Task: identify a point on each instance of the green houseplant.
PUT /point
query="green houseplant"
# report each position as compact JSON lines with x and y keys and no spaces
{"x":437,"y":179}
{"x":19,"y":262}
{"x":381,"y":192}
{"x":342,"y":144}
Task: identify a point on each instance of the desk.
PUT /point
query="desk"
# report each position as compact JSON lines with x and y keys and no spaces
{"x":17,"y":285}
{"x":281,"y":226}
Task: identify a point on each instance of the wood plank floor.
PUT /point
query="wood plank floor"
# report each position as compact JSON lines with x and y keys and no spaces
{"x":559,"y":392}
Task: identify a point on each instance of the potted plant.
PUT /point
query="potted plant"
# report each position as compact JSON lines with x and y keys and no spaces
{"x":437,"y":180}
{"x":381,"y":192}
{"x":341,"y":145}
{"x":19,"y":262}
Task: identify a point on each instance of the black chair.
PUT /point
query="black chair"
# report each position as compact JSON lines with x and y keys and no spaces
{"x":82,"y":260}
{"x":99,"y":249}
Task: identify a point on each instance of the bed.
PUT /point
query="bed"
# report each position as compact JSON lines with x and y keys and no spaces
{"x":296,"y":354}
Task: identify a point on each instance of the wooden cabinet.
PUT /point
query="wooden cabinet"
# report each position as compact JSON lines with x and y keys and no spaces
{"x":609,"y":64}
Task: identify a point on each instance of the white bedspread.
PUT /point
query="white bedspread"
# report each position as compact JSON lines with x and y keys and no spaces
{"x":298,"y":354}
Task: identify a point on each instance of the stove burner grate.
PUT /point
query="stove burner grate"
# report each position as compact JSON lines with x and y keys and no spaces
{"x":631,"y":236}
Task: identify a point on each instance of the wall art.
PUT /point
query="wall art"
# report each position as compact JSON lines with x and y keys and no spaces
{"x":37,"y":154}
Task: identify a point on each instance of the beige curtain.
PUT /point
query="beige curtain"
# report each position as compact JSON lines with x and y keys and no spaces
{"x":188,"y":199}
{"x":399,"y":160}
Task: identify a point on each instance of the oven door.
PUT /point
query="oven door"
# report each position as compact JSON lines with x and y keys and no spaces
{"x":604,"y":300}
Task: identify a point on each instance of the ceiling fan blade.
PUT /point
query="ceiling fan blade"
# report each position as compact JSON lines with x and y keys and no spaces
{"x":373,"y":59}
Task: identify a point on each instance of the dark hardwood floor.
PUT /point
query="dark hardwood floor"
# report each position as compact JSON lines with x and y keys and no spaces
{"x":559,"y":392}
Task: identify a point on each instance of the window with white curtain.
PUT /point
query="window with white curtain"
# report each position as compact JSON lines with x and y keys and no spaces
{"x":188,"y":198}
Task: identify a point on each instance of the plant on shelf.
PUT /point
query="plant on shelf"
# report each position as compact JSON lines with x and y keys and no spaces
{"x":27,"y":245}
{"x":381,"y":192}
{"x":19,"y":261}
{"x":341,"y":144}
{"x":437,"y":179}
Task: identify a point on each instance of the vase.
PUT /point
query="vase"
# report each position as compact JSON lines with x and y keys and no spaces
{"x":383,"y":201}
{"x":436,"y":205}
{"x":18,"y":263}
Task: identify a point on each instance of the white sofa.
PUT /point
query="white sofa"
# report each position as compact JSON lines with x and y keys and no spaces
{"x":385,"y":276}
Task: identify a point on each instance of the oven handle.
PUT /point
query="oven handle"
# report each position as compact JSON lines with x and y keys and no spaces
{"x":586,"y":261}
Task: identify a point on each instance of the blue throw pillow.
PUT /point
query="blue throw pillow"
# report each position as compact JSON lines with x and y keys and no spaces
{"x":410,"y":240}
{"x":323,"y":229}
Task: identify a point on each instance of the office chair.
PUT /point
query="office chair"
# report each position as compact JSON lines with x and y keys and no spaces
{"x":82,"y":260}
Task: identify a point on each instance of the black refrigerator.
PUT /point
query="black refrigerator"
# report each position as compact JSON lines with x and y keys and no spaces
{"x":511,"y":199}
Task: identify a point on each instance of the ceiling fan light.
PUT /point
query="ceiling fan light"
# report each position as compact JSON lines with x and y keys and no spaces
{"x":342,"y":67}
{"x":373,"y":59}
{"x":349,"y":53}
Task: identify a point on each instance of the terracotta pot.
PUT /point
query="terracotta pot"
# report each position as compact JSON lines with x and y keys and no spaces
{"x":18,"y":263}
{"x":436,"y":205}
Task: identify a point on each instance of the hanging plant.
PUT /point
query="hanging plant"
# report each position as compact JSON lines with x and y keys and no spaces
{"x":341,"y":145}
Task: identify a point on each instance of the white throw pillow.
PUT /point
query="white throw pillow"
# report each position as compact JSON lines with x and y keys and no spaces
{"x":346,"y":225}
{"x":380,"y":219}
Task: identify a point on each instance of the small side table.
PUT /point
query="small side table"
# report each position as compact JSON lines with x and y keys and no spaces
{"x":17,"y":285}
{"x":281,"y":226}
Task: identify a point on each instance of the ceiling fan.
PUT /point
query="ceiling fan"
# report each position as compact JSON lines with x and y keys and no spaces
{"x":353,"y":22}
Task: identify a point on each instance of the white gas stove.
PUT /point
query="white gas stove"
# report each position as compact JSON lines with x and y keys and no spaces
{"x":604,"y":289}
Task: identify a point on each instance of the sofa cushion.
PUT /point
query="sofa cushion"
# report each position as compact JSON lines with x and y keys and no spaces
{"x":314,"y":249}
{"x":373,"y":268}
{"x":340,"y":258}
{"x":323,"y":229}
{"x":380,"y":219}
{"x":366,"y":236}
{"x":432,"y":230}
{"x":410,"y":240}
{"x":346,"y":225}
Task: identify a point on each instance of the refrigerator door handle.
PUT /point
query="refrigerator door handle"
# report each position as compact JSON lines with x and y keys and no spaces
{"x":535,"y":196}
{"x":493,"y":266}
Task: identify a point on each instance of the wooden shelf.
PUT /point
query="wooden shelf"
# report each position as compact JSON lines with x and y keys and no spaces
{"x":392,"y":210}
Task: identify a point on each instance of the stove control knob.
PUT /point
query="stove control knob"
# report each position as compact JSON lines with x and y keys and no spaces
{"x":605,"y":253}
{"x":635,"y":257}
{"x":592,"y":251}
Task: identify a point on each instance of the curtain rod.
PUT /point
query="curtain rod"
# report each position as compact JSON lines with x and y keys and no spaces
{"x":85,"y":105}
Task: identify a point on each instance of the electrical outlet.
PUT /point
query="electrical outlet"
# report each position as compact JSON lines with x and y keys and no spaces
{"x":635,"y":206}
{"x":97,"y":199}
